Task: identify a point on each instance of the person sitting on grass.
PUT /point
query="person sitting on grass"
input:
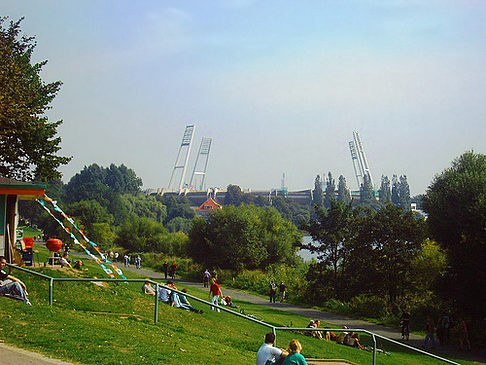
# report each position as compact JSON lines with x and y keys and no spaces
{"x":268,"y":353}
{"x":317,"y":334}
{"x":227,"y":301}
{"x":78,"y":264}
{"x":64,"y":261}
{"x":185,"y":303}
{"x":16,"y":288}
{"x":165,"y":294}
{"x":294,"y":358}
{"x":148,"y":288}
{"x":353,"y":340}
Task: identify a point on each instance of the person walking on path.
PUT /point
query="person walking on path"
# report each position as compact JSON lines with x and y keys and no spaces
{"x":429,"y":338}
{"x":214,"y":293}
{"x":165,"y":266}
{"x":283,"y":291}
{"x":172,"y":270}
{"x":138,"y":262}
{"x":464,"y":335}
{"x":273,"y":292}
{"x":206,"y":276}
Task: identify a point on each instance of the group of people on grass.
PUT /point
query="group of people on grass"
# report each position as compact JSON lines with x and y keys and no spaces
{"x":168,"y":294}
{"x":343,"y":338}
{"x":268,"y":354}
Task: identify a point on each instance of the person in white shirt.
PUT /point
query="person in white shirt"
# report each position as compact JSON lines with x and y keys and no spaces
{"x":268,"y":352}
{"x":64,"y":261}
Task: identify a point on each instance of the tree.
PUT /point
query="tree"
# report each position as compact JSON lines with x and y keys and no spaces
{"x":89,"y":212}
{"x":317,"y":192}
{"x":241,"y":237}
{"x":392,"y":239}
{"x":331,"y":232}
{"x":395,"y":192}
{"x":366,"y":193}
{"x":330,"y":190}
{"x":28,"y":142}
{"x":234,"y":195}
{"x":343,"y":194}
{"x":404,"y":194}
{"x":122,"y":180}
{"x":456,"y":207}
{"x":141,"y":234}
{"x":385,"y":193}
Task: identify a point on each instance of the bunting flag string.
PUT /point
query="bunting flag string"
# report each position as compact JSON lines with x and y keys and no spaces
{"x":101,"y":262}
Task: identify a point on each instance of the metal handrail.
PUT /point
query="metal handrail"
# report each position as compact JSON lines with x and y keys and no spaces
{"x":373,"y":336}
{"x":274,"y":328}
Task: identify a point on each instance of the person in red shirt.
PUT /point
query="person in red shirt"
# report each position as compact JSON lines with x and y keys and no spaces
{"x":214,"y":293}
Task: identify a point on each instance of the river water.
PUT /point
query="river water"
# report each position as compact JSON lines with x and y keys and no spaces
{"x":306,"y":254}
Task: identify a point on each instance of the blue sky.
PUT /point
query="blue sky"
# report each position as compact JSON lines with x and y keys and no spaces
{"x":279,"y":85}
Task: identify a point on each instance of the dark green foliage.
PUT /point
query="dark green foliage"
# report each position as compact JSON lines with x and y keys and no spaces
{"x":456,"y":207}
{"x":145,"y":206}
{"x":96,"y":182}
{"x":317,"y":192}
{"x":395,"y":193}
{"x":362,"y":252}
{"x":385,"y":195}
{"x":177,"y":208}
{"x":404,"y":194}
{"x":343,"y":194}
{"x":88,"y":212}
{"x":387,"y":243}
{"x":28,"y":142}
{"x":234,"y":195}
{"x":179,"y":224}
{"x":291,"y":210}
{"x":261,"y":201}
{"x":330,"y":190}
{"x":367,"y":194}
{"x":331,"y":232}
{"x":243,"y":237}
{"x":141,"y":234}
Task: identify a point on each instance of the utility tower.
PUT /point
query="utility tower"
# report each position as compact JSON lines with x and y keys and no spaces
{"x":360,"y":163}
{"x":200,"y":167}
{"x":182,"y":158}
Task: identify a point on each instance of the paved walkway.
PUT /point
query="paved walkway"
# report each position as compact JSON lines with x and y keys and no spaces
{"x":14,"y":356}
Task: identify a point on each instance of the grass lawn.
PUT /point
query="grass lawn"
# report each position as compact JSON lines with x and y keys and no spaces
{"x":113,"y":324}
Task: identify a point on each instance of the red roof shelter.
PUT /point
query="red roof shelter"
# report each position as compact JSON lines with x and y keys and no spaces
{"x":207,"y":207}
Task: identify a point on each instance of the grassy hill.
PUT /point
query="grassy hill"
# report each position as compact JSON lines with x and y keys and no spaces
{"x":113,"y":324}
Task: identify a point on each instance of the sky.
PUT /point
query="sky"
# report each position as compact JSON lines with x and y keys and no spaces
{"x":280,"y":86}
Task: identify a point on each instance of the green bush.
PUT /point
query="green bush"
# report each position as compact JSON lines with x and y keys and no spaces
{"x":368,"y":306}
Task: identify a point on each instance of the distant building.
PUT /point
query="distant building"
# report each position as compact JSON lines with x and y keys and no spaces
{"x":207,"y":207}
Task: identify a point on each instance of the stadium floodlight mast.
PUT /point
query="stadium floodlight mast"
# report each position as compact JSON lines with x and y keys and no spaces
{"x":360,"y":162}
{"x":201,"y":164}
{"x":182,"y":158}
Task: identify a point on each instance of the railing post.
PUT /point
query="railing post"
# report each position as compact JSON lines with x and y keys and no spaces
{"x":374,"y":349}
{"x":51,"y":288}
{"x":275,"y":334}
{"x":156,"y":314}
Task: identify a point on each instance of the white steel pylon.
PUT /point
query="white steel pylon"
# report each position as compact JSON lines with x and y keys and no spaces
{"x":201,"y":165}
{"x":181,"y":160}
{"x":360,"y":162}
